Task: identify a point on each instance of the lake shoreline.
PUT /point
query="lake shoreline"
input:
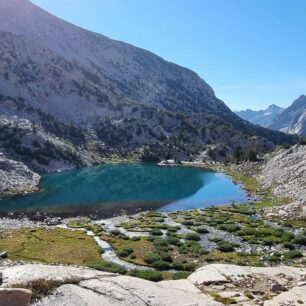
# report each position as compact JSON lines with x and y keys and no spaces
{"x":187,"y":180}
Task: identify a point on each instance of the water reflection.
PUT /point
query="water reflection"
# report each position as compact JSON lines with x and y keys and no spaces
{"x":125,"y":186}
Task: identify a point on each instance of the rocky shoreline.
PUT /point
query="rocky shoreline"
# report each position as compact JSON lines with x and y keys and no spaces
{"x":281,"y":175}
{"x":16,"y":178}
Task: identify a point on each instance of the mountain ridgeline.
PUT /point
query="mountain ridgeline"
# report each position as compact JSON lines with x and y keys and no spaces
{"x":293,"y":119}
{"x":261,"y":117}
{"x":70,"y":97}
{"x":290,"y":120}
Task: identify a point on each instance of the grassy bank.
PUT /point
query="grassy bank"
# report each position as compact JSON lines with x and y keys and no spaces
{"x":61,"y":246}
{"x":253,"y":187}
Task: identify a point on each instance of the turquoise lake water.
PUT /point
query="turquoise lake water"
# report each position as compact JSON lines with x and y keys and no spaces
{"x":131,"y":187}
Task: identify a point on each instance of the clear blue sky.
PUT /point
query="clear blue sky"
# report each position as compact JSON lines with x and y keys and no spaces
{"x":252,"y":52}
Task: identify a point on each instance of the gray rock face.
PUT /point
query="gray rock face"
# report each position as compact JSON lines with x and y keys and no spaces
{"x":15,"y":177}
{"x":105,"y":97}
{"x":292,"y":119}
{"x":249,"y":286}
{"x":15,"y":297}
{"x":85,"y":287}
{"x":261,"y":117}
{"x":296,"y":296}
{"x":285,"y":172}
{"x":98,"y":288}
{"x":298,"y":124}
{"x":42,"y":149}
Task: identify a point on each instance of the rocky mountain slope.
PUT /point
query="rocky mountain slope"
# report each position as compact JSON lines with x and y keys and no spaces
{"x":88,"y":97}
{"x":285,"y":172}
{"x":293,"y":119}
{"x":261,"y":117}
{"x":211,"y":285}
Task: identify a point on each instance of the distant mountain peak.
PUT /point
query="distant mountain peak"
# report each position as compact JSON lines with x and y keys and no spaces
{"x":274,"y":106}
{"x":293,"y":118}
{"x":299,"y":102}
{"x":261,"y":117}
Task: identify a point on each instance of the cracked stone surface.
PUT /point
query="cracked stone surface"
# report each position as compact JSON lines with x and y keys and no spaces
{"x":252,"y":286}
{"x":248,"y":286}
{"x":22,"y":274}
{"x":295,"y":296}
{"x":91,"y":287}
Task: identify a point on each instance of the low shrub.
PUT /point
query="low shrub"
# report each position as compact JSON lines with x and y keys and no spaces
{"x":151,"y":258}
{"x":173,"y":240}
{"x":191,"y":247}
{"x":267,"y":242}
{"x":180,"y":275}
{"x":40,"y":288}
{"x":287,"y":237}
{"x":178,"y":265}
{"x":231,"y":228}
{"x":162,"y":265}
{"x":150,"y":238}
{"x":289,"y":246}
{"x":187,"y":223}
{"x":292,"y":255}
{"x":128,"y":249}
{"x":247,"y":231}
{"x":224,"y":246}
{"x":172,"y":230}
{"x":160,"y":242}
{"x":189,"y":266}
{"x":156,"y":232}
{"x":300,"y":239}
{"x":124,"y":252}
{"x":193,"y":237}
{"x":202,"y":230}
{"x":215,"y":239}
{"x":107,"y":267}
{"x":274,"y":258}
{"x":115,"y":232}
{"x":165,"y":256}
{"x":153,"y":276}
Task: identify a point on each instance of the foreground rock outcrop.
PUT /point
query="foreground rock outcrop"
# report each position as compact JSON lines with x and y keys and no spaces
{"x":15,"y":297}
{"x":15,"y":177}
{"x":82,"y":287}
{"x":250,"y":286}
{"x":211,"y":285}
{"x":285,"y":172}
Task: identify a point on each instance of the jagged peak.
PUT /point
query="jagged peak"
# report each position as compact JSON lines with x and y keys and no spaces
{"x":299,"y":102}
{"x":274,"y":106}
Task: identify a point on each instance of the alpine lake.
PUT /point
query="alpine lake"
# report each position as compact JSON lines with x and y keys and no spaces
{"x":109,"y":189}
